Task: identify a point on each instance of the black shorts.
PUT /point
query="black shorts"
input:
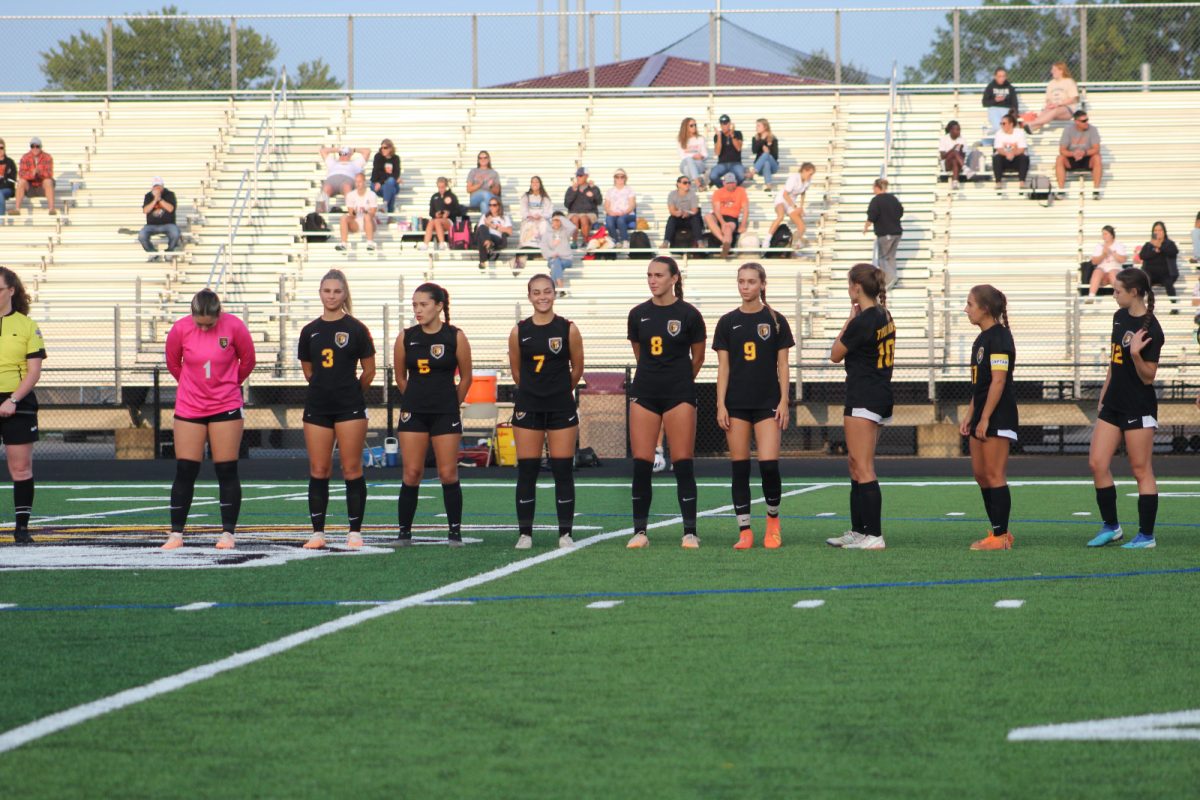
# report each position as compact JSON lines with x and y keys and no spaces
{"x":656,"y":405}
{"x":751,"y":415}
{"x":329,"y":420}
{"x":996,"y":429}
{"x":880,"y":415}
{"x":545,"y":420}
{"x":21,"y":427}
{"x":225,"y":416}
{"x":434,"y":423}
{"x":1127,"y":422}
{"x":1079,"y":163}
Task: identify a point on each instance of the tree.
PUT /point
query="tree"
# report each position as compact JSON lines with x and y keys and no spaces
{"x":819,"y":66}
{"x":313,"y":75}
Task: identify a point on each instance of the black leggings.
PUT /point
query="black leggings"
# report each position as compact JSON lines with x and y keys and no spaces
{"x":1000,"y":165}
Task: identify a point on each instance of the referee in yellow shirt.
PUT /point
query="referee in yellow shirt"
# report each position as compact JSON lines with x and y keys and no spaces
{"x":21,"y":354}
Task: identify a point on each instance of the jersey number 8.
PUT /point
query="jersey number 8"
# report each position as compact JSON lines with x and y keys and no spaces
{"x":656,"y":346}
{"x":750,"y":351}
{"x":423,"y":366}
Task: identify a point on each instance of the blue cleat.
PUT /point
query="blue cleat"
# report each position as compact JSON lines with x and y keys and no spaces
{"x":1107,"y":535}
{"x":1140,"y":542}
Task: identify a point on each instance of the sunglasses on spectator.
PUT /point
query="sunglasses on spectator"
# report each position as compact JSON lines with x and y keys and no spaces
{"x":35,"y":147}
{"x":684,"y":183}
{"x":493,"y":205}
{"x":618,"y":175}
{"x":1082,"y":121}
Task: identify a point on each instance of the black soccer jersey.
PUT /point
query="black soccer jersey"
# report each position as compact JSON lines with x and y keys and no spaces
{"x":334,"y":350}
{"x":1126,"y":393}
{"x":665,"y":335}
{"x":430,"y":360}
{"x":994,"y":350}
{"x":870,"y":341}
{"x":545,"y":366}
{"x":753,"y":342}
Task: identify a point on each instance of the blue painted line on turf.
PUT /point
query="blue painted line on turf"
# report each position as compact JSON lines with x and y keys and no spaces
{"x":602,"y":595}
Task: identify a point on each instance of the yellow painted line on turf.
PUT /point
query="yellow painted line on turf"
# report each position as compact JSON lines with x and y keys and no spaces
{"x":809,"y":604}
{"x":69,"y":718}
{"x":195,"y":607}
{"x":1009,"y":603}
{"x":605,"y":604}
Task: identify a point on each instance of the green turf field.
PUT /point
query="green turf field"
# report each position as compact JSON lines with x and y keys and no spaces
{"x":487,"y":672}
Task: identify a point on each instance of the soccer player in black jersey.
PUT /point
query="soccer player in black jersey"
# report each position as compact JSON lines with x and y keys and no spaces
{"x":426,"y":357}
{"x":867,"y":343}
{"x":331,"y":350}
{"x":992,"y":419}
{"x":1128,"y":408}
{"x":545,"y":353}
{"x":752,"y":343}
{"x":668,"y":337}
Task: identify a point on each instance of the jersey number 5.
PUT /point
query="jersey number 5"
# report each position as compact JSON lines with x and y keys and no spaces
{"x":1118,"y":356}
{"x":887,"y":354}
{"x":327,"y":357}
{"x":750,"y":351}
{"x":540,"y":359}
{"x":656,"y":345}
{"x":423,"y":366}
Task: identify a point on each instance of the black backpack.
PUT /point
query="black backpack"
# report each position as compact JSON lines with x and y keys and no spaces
{"x":638,"y":240}
{"x":782,"y":239}
{"x":314,"y":225}
{"x":683,"y":239}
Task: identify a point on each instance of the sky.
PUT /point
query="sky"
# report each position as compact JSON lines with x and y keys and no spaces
{"x":434,"y":52}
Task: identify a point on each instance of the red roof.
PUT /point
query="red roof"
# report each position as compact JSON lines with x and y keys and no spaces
{"x":659,"y":71}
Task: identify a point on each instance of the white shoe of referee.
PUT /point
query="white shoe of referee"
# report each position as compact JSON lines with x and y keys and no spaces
{"x":846,"y":539}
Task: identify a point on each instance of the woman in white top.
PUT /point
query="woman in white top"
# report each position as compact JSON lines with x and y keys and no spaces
{"x":536,"y":208}
{"x":1010,"y":153}
{"x":1062,"y":95}
{"x":360,"y":213}
{"x":952,"y":149}
{"x":620,"y":210}
{"x":789,"y":202}
{"x":692,"y":152}
{"x":1108,"y":259}
{"x":492,"y":233}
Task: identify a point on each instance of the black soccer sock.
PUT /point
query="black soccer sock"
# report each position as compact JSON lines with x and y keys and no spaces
{"x":643,"y":493}
{"x":452,"y":500}
{"x":527,"y":475}
{"x":1106,"y":499}
{"x":986,"y":492}
{"x":855,"y":507}
{"x":318,"y":502}
{"x":741,"y":493}
{"x":563,"y":470}
{"x":685,"y":490}
{"x":406,"y":508}
{"x":871,"y":508}
{"x":772,"y":485}
{"x":1001,"y":508}
{"x":229,"y":493}
{"x":182,"y":490}
{"x":356,"y":502}
{"x":23,"y":503}
{"x":1147,"y":513}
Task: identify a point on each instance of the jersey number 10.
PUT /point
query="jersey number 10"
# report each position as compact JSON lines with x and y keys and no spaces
{"x":887,"y":354}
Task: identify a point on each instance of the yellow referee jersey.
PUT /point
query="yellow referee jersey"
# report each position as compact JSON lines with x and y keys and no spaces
{"x":20,"y":340}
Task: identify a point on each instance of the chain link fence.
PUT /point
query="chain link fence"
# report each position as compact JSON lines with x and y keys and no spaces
{"x":1103,"y":43}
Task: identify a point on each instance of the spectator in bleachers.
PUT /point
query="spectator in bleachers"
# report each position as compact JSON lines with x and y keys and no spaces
{"x":1107,"y":259}
{"x":727,"y":147}
{"x":159,"y":207}
{"x":556,"y":249}
{"x":583,"y":201}
{"x":1011,"y":151}
{"x":491,"y":235}
{"x":35,"y":176}
{"x":1195,"y":259}
{"x":1062,"y":95}
{"x":385,"y":174}
{"x":1158,"y":257}
{"x":620,"y":210}
{"x":443,"y":210}
{"x":884,"y":213}
{"x":341,"y":165}
{"x":789,"y":202}
{"x":730,"y":213}
{"x":684,"y":207}
{"x":483,"y":182}
{"x":765,"y":147}
{"x":8,"y":178}
{"x":536,"y":209}
{"x":693,"y":152}
{"x":1079,"y":149}
{"x":1000,"y":99}
{"x":952,"y":148}
{"x":361,"y":205}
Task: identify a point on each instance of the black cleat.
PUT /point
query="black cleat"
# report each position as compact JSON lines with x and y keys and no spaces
{"x":21,"y":536}
{"x":404,"y":540}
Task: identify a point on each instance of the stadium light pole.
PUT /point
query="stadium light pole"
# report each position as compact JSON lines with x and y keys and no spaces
{"x":564,"y":37}
{"x":718,"y":31}
{"x":580,"y":34}
{"x":616,"y":30}
{"x":541,"y":28}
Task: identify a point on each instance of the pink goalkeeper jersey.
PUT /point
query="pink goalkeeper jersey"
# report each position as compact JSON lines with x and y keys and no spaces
{"x":210,"y":365}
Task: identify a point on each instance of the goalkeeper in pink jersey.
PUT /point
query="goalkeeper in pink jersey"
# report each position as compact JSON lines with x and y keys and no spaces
{"x":211,"y":354}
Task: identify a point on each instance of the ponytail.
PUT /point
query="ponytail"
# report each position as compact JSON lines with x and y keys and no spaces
{"x":1136,"y":280}
{"x":673,"y":268}
{"x":993,"y":301}
{"x":873,"y":282}
{"x":438,"y":295}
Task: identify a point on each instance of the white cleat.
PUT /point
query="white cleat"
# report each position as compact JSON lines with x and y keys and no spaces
{"x":845,"y":540}
{"x":524,"y":542}
{"x":867,"y":543}
{"x":565,"y":542}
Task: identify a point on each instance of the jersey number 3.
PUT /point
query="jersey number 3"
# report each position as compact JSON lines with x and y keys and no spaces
{"x":656,"y":345}
{"x":327,"y":357}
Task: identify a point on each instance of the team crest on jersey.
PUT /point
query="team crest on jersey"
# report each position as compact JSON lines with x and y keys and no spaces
{"x":764,"y":331}
{"x":979,"y":356}
{"x":519,"y":415}
{"x":1127,"y":339}
{"x":341,"y":338}
{"x":555,"y":344}
{"x":405,"y":416}
{"x":437,"y":350}
{"x":674,"y":326}
{"x":223,"y":341}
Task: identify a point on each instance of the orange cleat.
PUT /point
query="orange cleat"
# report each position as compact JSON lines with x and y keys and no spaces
{"x":691,"y":542}
{"x":772,"y":539}
{"x":993,"y":542}
{"x":174,"y":542}
{"x":226,"y":541}
{"x":638,"y":541}
{"x":354,"y":540}
{"x":745,"y":540}
{"x":315,"y":542}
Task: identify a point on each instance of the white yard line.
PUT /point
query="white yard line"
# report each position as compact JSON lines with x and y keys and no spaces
{"x":10,"y":740}
{"x":195,"y":607}
{"x":604,"y":604}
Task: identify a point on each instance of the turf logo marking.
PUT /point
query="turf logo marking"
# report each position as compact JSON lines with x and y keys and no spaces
{"x":139,"y":555}
{"x":1009,"y":603}
{"x":605,"y":604}
{"x":809,"y":604}
{"x":1174,"y":726}
{"x":196,"y":607}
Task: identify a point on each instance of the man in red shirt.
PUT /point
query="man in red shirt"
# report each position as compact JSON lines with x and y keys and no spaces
{"x":35,"y":176}
{"x":730,"y":212}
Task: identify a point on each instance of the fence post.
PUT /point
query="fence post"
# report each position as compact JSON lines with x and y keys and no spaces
{"x":799,"y":359}
{"x":350,"y":52}
{"x":117,"y":349}
{"x":616,"y":30}
{"x":284,"y":314}
{"x":156,"y":415}
{"x":1083,"y":44}
{"x":628,"y":383}
{"x":957,"y":45}
{"x":712,"y":50}
{"x":137,"y":310}
{"x":541,"y":28}
{"x":108,"y":54}
{"x":564,"y":37}
{"x":592,"y":50}
{"x":474,"y":51}
{"x":837,"y":47}
{"x":580,"y":34}
{"x":233,"y":76}
{"x":389,"y":398}
{"x":929,"y":316}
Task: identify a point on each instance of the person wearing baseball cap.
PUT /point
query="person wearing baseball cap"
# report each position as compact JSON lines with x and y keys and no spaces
{"x":35,"y":176}
{"x":727,"y":144}
{"x":583,"y":201}
{"x":730,"y":213}
{"x":159,"y":207}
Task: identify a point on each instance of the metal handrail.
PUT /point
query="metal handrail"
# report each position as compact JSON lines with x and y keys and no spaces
{"x":887,"y":129}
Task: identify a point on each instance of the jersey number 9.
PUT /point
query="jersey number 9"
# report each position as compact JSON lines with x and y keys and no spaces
{"x":656,"y":345}
{"x":750,"y":351}
{"x":423,"y":366}
{"x":327,"y":357}
{"x":887,"y":355}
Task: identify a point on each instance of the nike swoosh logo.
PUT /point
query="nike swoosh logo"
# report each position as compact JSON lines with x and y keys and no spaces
{"x":645,"y":319}
{"x":526,"y":501}
{"x":686,"y":499}
{"x":571,"y":418}
{"x":311,"y":335}
{"x":563,"y":502}
{"x":455,"y":424}
{"x":527,"y":338}
{"x":351,"y":519}
{"x":735,"y":327}
{"x":1130,"y":421}
{"x":413,"y":344}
